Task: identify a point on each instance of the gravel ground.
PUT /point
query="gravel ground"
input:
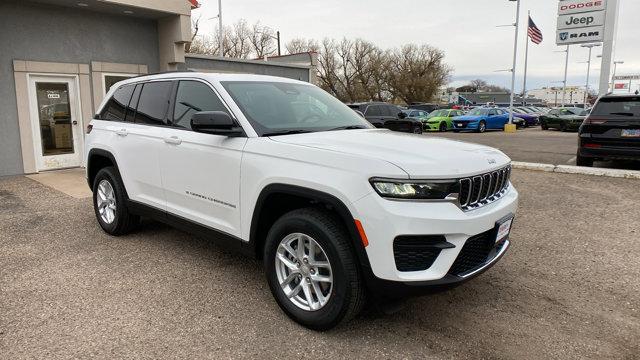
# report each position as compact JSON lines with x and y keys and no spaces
{"x":568,"y":288}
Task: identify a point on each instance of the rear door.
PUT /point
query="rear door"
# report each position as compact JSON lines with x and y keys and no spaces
{"x":136,"y":126}
{"x":201,"y":172}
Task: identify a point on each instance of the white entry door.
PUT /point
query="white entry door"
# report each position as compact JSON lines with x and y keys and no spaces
{"x":56,"y":123}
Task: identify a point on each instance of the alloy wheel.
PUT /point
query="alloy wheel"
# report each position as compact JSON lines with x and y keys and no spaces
{"x":304,"y":272}
{"x":106,"y":201}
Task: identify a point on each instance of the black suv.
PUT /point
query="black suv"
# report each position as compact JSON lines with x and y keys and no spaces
{"x":611,"y":131}
{"x":383,"y":115}
{"x":428,"y":107}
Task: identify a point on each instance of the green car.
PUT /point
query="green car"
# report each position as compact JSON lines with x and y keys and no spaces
{"x":441,"y":120}
{"x":563,"y":119}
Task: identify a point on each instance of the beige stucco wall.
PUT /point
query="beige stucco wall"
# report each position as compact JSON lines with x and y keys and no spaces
{"x":173,"y":33}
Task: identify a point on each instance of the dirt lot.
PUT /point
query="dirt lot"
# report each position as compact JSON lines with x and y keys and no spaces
{"x":535,"y":145}
{"x":568,"y":288}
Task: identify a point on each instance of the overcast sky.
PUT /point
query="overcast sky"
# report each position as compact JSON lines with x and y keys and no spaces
{"x":464,"y":29}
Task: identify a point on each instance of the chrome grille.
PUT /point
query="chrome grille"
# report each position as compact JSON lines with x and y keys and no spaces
{"x":479,"y":190}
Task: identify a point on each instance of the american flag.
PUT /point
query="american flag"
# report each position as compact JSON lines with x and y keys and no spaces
{"x":534,"y":33}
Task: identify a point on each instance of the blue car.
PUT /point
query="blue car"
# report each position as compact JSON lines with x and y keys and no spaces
{"x":481,"y":119}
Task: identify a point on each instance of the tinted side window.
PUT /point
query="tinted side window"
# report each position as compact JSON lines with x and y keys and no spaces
{"x":373,"y":110}
{"x":391,"y":110}
{"x":131,"y":109}
{"x":114,"y":110}
{"x":192,"y":97}
{"x":153,"y":103}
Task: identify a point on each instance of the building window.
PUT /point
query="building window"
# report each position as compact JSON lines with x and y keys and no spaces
{"x":110,"y":80}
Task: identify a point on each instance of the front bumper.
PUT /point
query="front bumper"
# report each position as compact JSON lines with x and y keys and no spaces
{"x":466,"y":125}
{"x":432,"y":126}
{"x":384,"y":220}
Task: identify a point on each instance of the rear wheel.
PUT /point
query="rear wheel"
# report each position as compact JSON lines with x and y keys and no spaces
{"x":109,"y":203}
{"x":311,"y":270}
{"x":563,"y":127}
{"x":584,"y":161}
{"x":443,"y":127}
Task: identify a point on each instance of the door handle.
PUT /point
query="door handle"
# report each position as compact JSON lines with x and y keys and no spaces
{"x":174,"y":140}
{"x":122,"y":132}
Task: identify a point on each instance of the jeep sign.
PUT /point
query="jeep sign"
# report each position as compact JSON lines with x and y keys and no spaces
{"x":567,"y":7}
{"x":580,"y":35}
{"x":595,"y":18}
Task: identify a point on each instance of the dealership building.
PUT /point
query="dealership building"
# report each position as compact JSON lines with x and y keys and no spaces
{"x":58,"y":58}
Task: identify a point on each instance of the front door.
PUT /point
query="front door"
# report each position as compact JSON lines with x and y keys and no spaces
{"x":55,"y":119}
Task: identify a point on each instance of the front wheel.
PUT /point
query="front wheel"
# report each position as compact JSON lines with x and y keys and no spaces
{"x":311,"y":269}
{"x":443,"y":127}
{"x":417,"y":129}
{"x":482,"y":127}
{"x":544,"y":126}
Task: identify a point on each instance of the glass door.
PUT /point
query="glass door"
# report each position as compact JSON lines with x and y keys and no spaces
{"x":54,"y":114}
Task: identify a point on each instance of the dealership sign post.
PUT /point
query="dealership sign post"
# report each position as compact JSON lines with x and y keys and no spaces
{"x":589,"y":21}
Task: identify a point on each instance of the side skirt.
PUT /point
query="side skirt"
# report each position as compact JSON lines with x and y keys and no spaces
{"x":220,"y":238}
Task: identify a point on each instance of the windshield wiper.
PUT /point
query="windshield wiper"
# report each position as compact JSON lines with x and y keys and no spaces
{"x":348,"y":127}
{"x":286,"y":132}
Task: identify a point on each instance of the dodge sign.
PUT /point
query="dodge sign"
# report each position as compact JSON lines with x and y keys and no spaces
{"x":566,"y":7}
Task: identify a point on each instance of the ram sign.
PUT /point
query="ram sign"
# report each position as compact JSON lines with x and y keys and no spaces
{"x":567,"y":7}
{"x":580,"y":35}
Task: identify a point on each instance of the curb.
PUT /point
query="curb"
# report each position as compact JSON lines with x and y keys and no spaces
{"x":568,"y":169}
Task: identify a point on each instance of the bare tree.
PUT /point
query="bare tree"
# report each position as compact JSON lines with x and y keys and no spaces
{"x":415,"y":73}
{"x":263,"y":40}
{"x":300,"y":45}
{"x":239,"y":43}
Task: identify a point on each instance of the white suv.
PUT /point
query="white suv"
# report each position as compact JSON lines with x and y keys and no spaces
{"x":280,"y":170}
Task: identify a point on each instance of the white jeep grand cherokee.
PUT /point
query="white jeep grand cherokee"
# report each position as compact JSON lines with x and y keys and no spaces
{"x":280,"y":170}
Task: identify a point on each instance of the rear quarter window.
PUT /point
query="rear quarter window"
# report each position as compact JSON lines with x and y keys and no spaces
{"x":115,"y":109}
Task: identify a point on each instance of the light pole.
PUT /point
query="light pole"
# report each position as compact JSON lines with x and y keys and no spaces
{"x":221,"y":50}
{"x":586,"y":93}
{"x":515,"y":58}
{"x":566,"y":66}
{"x":613,"y":78}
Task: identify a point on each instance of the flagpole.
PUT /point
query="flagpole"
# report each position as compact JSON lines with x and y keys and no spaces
{"x":526,"y":61}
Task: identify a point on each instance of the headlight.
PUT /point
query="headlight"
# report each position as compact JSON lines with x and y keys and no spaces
{"x":418,"y":190}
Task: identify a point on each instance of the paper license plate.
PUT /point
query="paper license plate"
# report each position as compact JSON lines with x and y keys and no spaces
{"x":503,"y":229}
{"x":631,"y":133}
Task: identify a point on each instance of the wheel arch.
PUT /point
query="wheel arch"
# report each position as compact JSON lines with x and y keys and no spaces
{"x":98,"y":159}
{"x":277,"y":199}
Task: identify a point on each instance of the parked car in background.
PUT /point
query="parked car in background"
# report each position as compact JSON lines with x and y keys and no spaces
{"x":384,"y":115}
{"x":530,"y":118}
{"x":428,"y":107}
{"x":441,"y":120}
{"x":611,"y":130}
{"x":482,"y":119}
{"x":563,"y":119}
{"x":416,"y":114}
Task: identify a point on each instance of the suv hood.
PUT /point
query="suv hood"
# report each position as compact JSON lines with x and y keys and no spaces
{"x":420,"y":156}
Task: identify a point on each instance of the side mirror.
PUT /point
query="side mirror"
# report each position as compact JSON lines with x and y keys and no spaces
{"x":215,"y":122}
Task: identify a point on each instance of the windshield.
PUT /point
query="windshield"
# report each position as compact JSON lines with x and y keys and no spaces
{"x":524,"y":110}
{"x":618,"y":107}
{"x":437,"y":113}
{"x":478,"y":112}
{"x":278,"y":107}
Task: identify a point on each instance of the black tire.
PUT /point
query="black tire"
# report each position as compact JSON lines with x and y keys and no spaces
{"x":417,"y":129}
{"x":584,"y":161}
{"x":563,"y":127}
{"x":482,"y":126}
{"x":544,"y":126}
{"x":443,"y":127}
{"x":348,"y":291}
{"x":123,"y":221}
{"x":456,"y":130}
